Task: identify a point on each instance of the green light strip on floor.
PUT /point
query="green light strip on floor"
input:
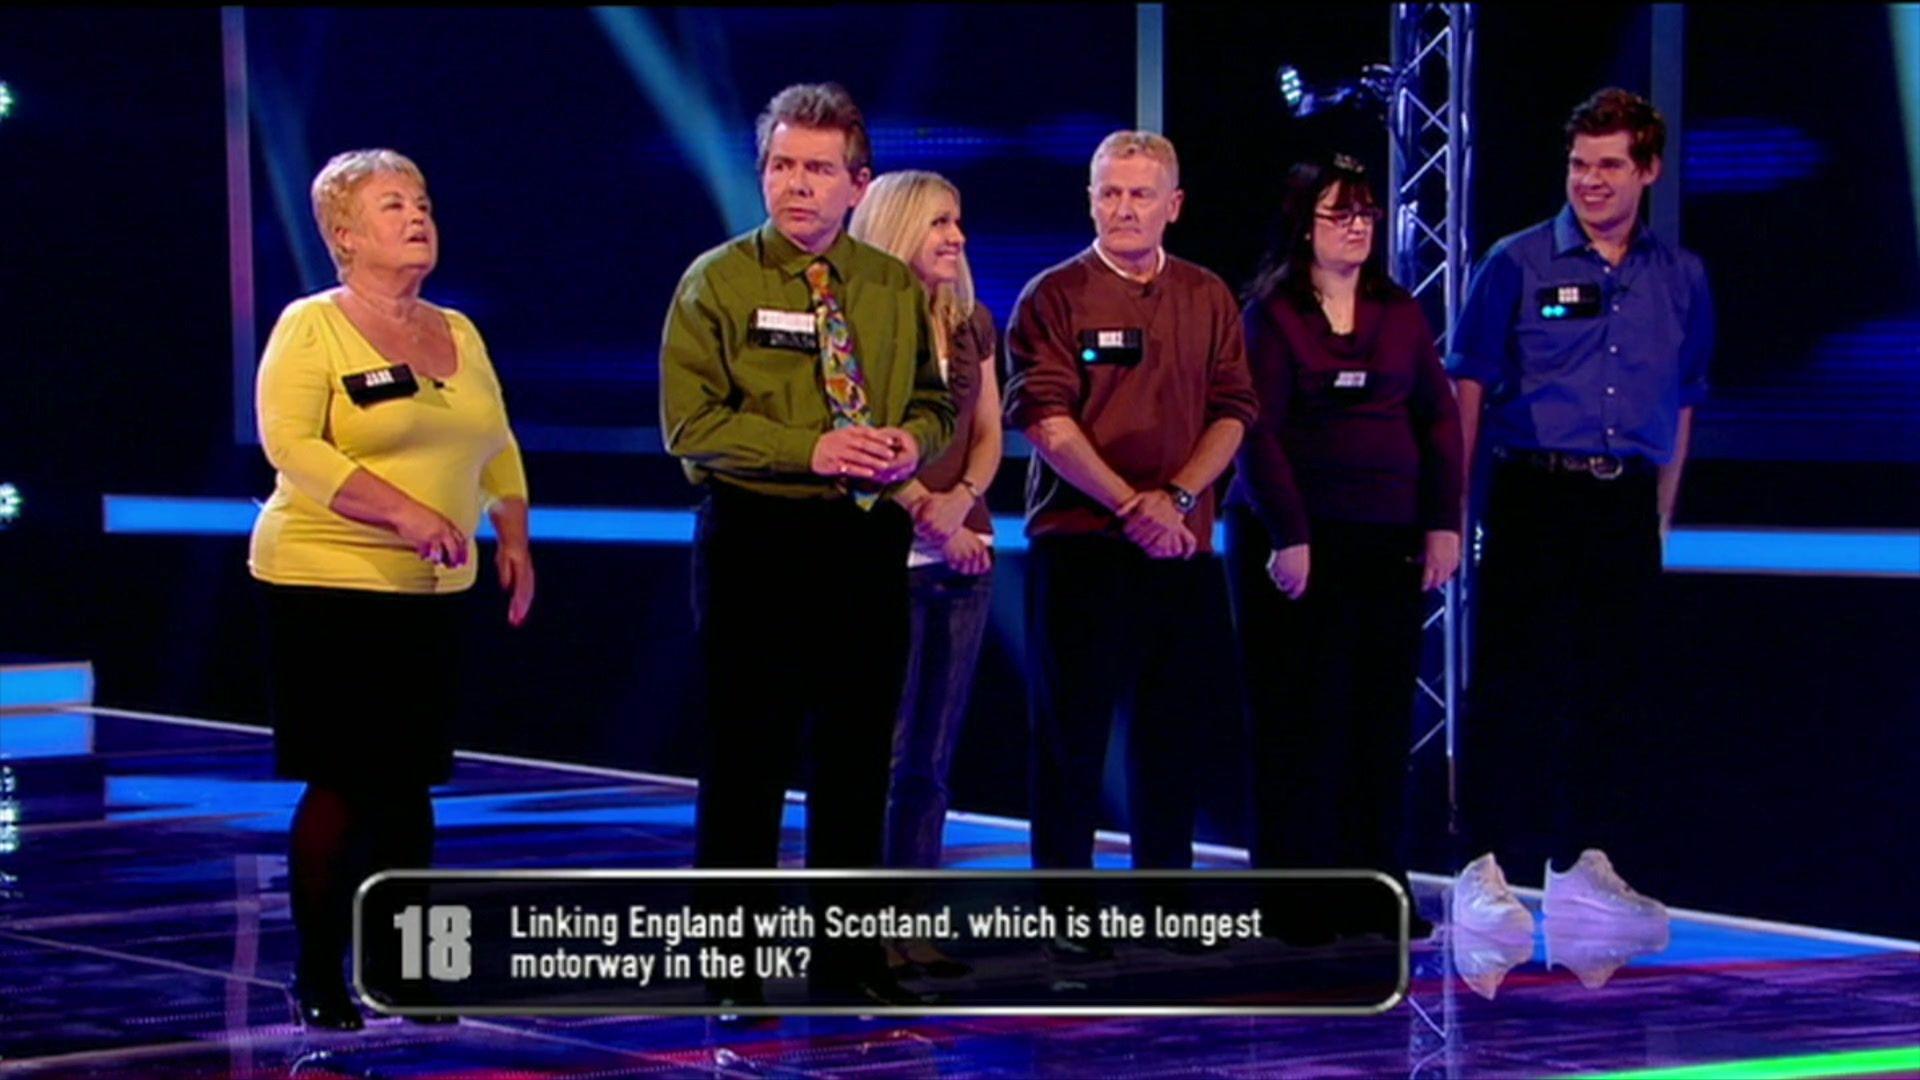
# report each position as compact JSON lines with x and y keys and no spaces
{"x":1853,"y":1063}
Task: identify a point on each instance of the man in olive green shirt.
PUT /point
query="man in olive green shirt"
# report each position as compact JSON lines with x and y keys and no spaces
{"x":740,"y":397}
{"x":800,"y":588}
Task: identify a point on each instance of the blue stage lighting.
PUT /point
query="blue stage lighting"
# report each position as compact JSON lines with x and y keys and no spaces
{"x":1905,"y":20}
{"x":1747,"y":155}
{"x":44,"y":686}
{"x":711,"y":145}
{"x":1881,"y":553}
{"x":6,"y":100}
{"x":10,"y":503}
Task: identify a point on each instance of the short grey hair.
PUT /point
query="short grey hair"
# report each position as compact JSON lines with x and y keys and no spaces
{"x":339,"y":180}
{"x":1126,"y":144}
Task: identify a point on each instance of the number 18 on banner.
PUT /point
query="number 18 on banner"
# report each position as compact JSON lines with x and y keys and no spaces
{"x":447,"y":948}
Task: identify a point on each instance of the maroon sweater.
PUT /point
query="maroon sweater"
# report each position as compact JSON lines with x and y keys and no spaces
{"x":1144,"y":420}
{"x":1359,"y":427}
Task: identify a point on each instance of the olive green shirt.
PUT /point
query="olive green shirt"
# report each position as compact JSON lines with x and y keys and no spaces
{"x":736,"y":407}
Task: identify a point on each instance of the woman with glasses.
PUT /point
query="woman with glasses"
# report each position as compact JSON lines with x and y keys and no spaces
{"x":1345,"y":508}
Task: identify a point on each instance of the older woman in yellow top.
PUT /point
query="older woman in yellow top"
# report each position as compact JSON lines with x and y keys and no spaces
{"x":383,"y":417}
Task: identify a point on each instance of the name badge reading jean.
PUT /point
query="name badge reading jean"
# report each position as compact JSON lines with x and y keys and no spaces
{"x":786,"y":329}
{"x":380,"y":384}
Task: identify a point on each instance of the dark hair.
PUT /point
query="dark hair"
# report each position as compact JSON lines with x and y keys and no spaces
{"x":816,"y":105}
{"x":1614,"y":110}
{"x":1286,"y":268}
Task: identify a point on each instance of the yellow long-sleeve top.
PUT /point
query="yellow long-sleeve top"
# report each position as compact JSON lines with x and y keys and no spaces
{"x":447,"y":446}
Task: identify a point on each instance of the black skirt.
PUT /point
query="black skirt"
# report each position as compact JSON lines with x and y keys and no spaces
{"x":362,"y":685}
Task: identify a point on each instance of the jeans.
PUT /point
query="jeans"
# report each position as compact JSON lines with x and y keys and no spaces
{"x":949,"y":620}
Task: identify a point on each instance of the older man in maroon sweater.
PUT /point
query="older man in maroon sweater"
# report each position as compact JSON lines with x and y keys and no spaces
{"x":1129,"y":376}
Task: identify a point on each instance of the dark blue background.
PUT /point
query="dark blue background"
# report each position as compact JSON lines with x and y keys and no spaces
{"x":1784,"y":788}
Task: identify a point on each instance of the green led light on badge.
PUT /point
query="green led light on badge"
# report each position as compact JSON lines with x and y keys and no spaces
{"x":1088,"y":355}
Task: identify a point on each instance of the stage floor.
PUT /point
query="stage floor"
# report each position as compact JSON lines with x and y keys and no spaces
{"x":144,"y":932}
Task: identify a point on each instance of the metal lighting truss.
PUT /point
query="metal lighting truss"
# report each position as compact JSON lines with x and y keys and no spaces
{"x":1431,"y":160}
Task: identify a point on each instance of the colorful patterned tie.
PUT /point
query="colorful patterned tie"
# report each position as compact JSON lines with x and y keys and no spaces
{"x":839,"y":367}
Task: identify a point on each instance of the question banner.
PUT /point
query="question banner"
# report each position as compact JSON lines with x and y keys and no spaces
{"x":799,"y":942}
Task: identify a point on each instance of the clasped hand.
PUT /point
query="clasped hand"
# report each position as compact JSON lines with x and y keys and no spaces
{"x":940,"y":515}
{"x":1152,"y":522}
{"x":882,"y":455}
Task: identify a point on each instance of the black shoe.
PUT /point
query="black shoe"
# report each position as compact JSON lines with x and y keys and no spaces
{"x":946,"y":967}
{"x":884,"y":989}
{"x":728,"y":1020}
{"x":1068,"y":950}
{"x":930,"y":962}
{"x":326,"y":1004}
{"x":1307,"y":933}
{"x":747,"y":992}
{"x":872,"y":988}
{"x":1191,"y":946}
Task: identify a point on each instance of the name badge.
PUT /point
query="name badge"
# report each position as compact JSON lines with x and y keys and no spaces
{"x":380,"y":384}
{"x":1350,"y":380}
{"x":1125,"y":346}
{"x":786,"y":329}
{"x":1581,"y":300}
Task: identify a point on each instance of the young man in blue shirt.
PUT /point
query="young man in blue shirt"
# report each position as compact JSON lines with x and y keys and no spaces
{"x":1580,"y":353}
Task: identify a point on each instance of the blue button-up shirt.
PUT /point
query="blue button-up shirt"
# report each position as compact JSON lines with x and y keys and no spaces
{"x":1606,"y":381}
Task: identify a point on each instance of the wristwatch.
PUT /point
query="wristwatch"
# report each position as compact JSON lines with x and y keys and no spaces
{"x":1183,"y":500}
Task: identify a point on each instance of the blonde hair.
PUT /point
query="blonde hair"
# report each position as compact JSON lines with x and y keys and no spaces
{"x":895,"y":215}
{"x":1126,"y":144}
{"x":337,"y":184}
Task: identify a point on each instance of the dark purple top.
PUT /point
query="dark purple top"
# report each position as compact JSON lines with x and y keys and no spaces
{"x":1359,"y":427}
{"x":974,"y":344}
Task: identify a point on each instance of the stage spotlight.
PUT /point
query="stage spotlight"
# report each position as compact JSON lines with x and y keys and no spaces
{"x":1367,"y":92}
{"x":6,"y":100}
{"x":1292,"y":89}
{"x":10,"y":502}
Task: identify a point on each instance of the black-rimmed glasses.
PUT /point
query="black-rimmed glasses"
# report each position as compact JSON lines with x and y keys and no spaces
{"x":1345,"y":219}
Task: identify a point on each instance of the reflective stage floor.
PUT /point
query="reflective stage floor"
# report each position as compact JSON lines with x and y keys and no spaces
{"x":144,"y":932}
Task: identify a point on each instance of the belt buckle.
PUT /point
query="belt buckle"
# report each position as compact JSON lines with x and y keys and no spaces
{"x":1606,"y":466}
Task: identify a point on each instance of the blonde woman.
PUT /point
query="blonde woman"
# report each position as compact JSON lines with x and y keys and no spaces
{"x":384,"y":422}
{"x":916,"y":217}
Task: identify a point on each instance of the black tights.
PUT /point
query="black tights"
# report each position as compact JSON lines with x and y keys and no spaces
{"x":340,"y":837}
